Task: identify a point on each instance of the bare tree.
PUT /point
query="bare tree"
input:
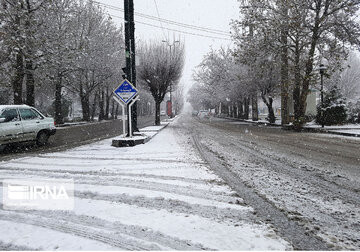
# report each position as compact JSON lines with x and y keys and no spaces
{"x":305,"y":31}
{"x":347,"y":78}
{"x":160,"y":68}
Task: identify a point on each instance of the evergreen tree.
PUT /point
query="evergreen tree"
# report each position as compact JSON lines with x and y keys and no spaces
{"x":333,"y":110}
{"x":354,"y":112}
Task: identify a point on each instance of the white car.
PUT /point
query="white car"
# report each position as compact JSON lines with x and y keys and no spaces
{"x":204,"y":114}
{"x":22,"y":123}
{"x":162,"y":113}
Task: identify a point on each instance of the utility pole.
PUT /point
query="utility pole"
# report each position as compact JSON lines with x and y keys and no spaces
{"x":171,"y":46}
{"x":130,"y":69}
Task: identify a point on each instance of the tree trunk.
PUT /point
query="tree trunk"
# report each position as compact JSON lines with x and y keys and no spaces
{"x":297,"y":88}
{"x":85,"y":105}
{"x":112,"y":110}
{"x":254,"y":106}
{"x":284,"y":72}
{"x":29,"y":69}
{"x":271,"y":116}
{"x":157,"y":113}
{"x":246,"y":108}
{"x":240,"y":109}
{"x":93,"y":107}
{"x":107,"y":104}
{"x":301,"y":102}
{"x":116,"y":111}
{"x":30,"y":82}
{"x":101,"y":105}
{"x":18,"y":79}
{"x":58,"y":103}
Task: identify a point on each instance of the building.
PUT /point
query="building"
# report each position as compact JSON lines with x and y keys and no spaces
{"x":310,"y":104}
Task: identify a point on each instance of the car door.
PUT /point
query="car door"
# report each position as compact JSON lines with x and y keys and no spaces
{"x":30,"y":123}
{"x":10,"y":127}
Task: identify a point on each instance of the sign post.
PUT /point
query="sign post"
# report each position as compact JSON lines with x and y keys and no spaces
{"x":130,"y":119}
{"x":124,"y":94}
{"x":123,"y":113}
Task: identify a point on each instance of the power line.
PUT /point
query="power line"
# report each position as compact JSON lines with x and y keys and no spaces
{"x":185,"y":32}
{"x":188,"y":26}
{"x":157,"y":11}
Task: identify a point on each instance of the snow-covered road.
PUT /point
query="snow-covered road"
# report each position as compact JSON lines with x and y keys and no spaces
{"x":307,"y":185}
{"x":157,"y":196}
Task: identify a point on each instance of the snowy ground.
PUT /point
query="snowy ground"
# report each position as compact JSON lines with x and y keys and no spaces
{"x":312,"y":178}
{"x":348,"y":131}
{"x":157,"y":196}
{"x":353,"y":129}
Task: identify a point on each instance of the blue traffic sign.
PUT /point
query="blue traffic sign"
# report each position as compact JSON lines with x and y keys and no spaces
{"x":125,"y":91}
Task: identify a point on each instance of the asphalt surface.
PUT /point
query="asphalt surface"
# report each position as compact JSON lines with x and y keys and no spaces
{"x":307,"y":185}
{"x":72,"y":136}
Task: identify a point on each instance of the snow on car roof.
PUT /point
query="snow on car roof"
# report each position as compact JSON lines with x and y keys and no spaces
{"x":14,"y":106}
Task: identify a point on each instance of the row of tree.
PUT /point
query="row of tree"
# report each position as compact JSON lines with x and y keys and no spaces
{"x":54,"y":53}
{"x":278,"y":47}
{"x":57,"y":47}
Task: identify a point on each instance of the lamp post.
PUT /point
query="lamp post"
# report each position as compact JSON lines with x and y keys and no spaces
{"x":322,"y":68}
{"x":171,"y":46}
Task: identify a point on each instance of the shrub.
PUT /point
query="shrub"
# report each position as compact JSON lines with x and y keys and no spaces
{"x":333,"y":110}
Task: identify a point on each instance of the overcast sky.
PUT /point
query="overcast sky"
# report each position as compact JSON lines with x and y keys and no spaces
{"x":214,"y":14}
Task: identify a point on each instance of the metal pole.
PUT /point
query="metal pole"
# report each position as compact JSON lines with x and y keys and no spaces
{"x":171,"y":45}
{"x":322,"y":97}
{"x":171,"y":114}
{"x":130,"y":121}
{"x":127,"y":47}
{"x":123,"y":119}
{"x":132,"y":59}
{"x":123,"y":114}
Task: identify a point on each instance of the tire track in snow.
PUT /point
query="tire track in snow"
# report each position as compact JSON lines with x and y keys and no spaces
{"x":135,"y":159}
{"x":310,"y":193}
{"x":113,"y":239}
{"x":178,"y":206}
{"x":289,"y":229}
{"x":106,"y":173}
{"x":152,"y":186}
{"x":128,"y":237}
{"x":306,"y":175}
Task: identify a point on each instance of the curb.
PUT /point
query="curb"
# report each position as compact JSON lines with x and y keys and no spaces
{"x":157,"y":132}
{"x":331,"y":131}
{"x":250,"y":122}
{"x":129,"y":142}
{"x":304,"y":129}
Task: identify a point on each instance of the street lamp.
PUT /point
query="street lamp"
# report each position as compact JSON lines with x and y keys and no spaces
{"x":171,"y":45}
{"x":322,"y":68}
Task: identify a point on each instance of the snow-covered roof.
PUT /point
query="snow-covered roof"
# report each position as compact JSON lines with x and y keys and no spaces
{"x":13,"y":106}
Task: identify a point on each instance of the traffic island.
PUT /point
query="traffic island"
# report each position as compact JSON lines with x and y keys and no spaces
{"x":141,"y":137}
{"x":130,"y":141}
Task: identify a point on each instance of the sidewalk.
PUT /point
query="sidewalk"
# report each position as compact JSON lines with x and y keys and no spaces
{"x":155,"y":196}
{"x":344,"y":130}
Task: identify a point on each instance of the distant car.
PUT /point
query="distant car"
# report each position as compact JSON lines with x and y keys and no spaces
{"x":22,"y":123}
{"x":204,"y":114}
{"x":195,"y":113}
{"x":162,"y":112}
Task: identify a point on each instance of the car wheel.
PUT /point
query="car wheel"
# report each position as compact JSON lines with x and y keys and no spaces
{"x":42,"y":138}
